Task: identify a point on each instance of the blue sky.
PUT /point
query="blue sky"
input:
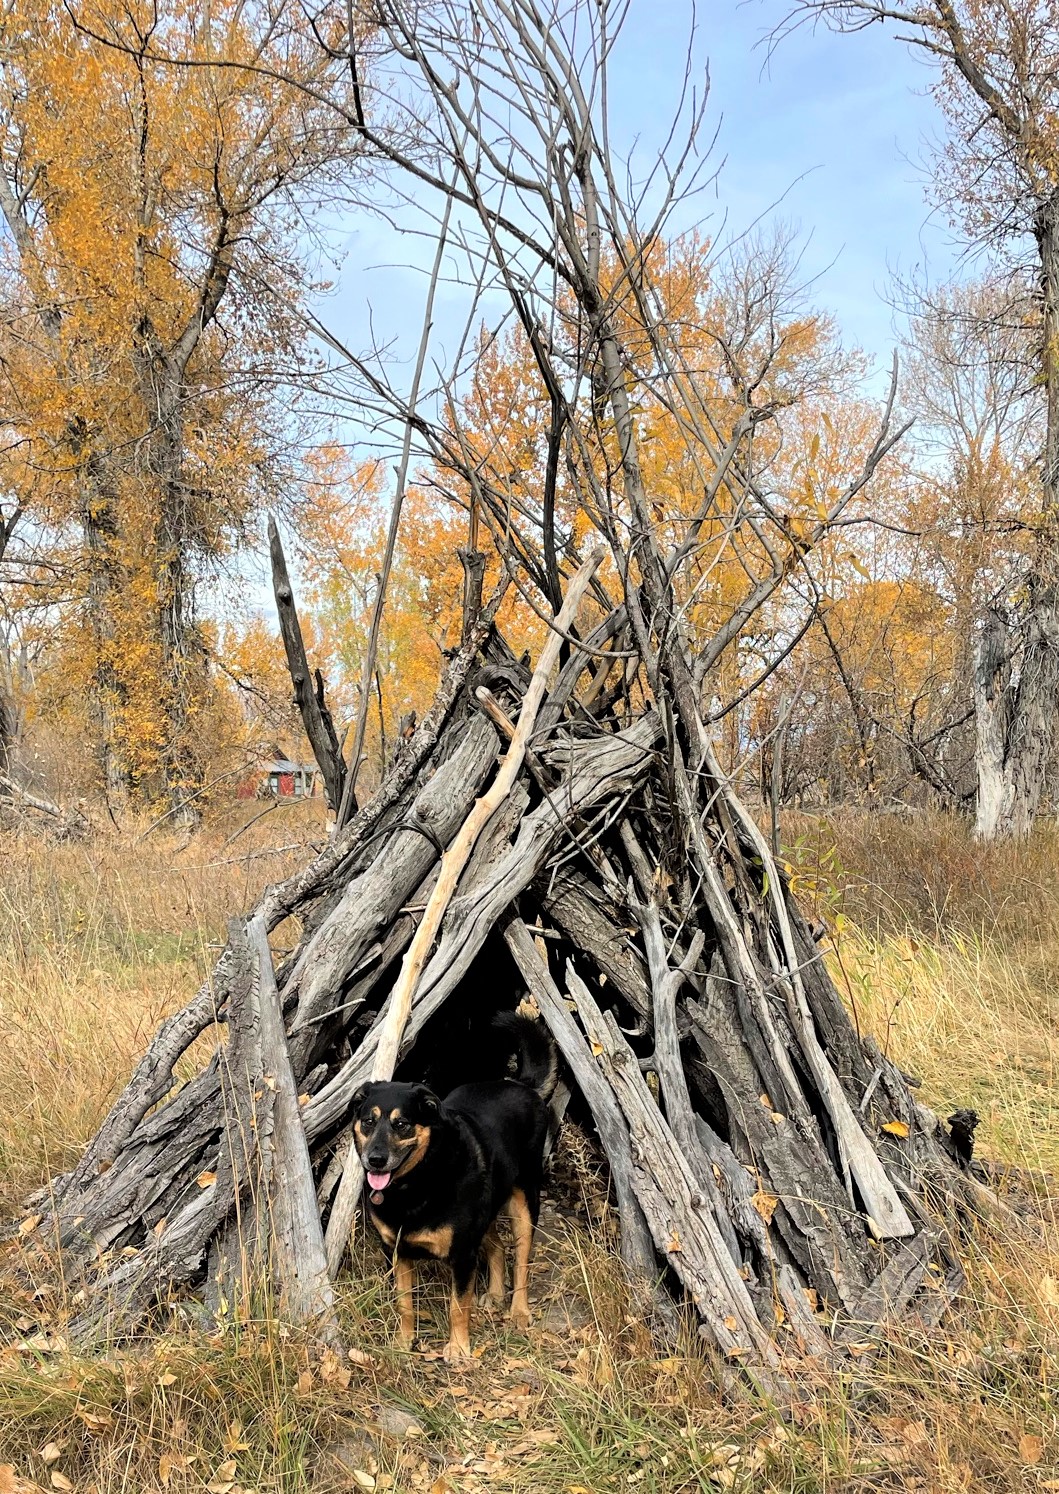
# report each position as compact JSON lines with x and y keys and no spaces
{"x":830,"y":133}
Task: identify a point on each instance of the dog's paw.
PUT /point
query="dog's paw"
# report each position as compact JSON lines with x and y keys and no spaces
{"x":493,"y":1299}
{"x":456,"y":1353}
{"x":520,"y":1317}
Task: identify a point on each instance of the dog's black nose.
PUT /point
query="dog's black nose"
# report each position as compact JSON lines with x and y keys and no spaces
{"x":376,"y":1161}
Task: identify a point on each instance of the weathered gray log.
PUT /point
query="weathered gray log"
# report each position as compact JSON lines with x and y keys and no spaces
{"x":580,"y":660}
{"x":677,"y":1213}
{"x":372,"y":900}
{"x":739,"y":1189}
{"x":790,"y":1162}
{"x":316,"y":718}
{"x":173,"y":1252}
{"x":887,"y":1215}
{"x":605,"y":769}
{"x":296,"y":1238}
{"x":665,"y":983}
{"x":587,"y":919}
{"x":637,"y":1250}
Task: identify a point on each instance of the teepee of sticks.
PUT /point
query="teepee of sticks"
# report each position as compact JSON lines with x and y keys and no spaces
{"x":785,"y":1161}
{"x":781,"y":1178}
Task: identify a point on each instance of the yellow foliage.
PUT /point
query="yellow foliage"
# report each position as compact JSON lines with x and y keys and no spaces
{"x":142,"y":435}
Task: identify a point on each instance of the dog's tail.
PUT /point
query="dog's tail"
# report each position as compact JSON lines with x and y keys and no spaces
{"x":534,"y":1060}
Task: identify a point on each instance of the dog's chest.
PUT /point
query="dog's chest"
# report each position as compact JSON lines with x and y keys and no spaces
{"x":434,"y":1240}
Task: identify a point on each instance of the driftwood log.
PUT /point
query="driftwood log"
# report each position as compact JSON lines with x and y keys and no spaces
{"x":760,"y":1187}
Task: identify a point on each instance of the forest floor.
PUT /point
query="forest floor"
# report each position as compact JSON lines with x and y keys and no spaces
{"x":947,"y":952}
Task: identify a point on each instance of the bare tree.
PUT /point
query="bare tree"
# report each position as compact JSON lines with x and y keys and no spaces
{"x":997,"y":176}
{"x":971,"y":380}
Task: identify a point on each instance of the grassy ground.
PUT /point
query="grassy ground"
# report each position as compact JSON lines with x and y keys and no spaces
{"x":946,"y":953}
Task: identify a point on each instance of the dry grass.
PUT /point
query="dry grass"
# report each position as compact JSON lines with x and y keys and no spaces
{"x":948,"y":954}
{"x":98,"y":943}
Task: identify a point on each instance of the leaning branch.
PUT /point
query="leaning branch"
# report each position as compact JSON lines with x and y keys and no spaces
{"x":316,"y":718}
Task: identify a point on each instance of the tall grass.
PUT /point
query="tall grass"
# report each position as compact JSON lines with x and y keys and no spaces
{"x":945,"y":955}
{"x":99,"y":941}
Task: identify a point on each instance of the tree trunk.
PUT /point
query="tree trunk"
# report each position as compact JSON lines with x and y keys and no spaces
{"x":183,"y":659}
{"x":8,"y":729}
{"x":1017,"y":724}
{"x":316,"y":718}
{"x":98,"y":526}
{"x":992,"y":716}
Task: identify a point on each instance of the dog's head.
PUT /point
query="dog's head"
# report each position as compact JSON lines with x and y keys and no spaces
{"x":391,"y":1128}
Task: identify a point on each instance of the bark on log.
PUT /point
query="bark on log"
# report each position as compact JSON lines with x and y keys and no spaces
{"x":296,"y":1239}
{"x":636,"y":1249}
{"x":678,"y":1215}
{"x":316,"y":718}
{"x":372,"y":900}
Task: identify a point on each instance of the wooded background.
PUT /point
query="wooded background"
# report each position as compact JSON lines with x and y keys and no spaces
{"x":166,"y":382}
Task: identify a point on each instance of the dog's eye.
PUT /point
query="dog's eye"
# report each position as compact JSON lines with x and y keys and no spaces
{"x":403,"y":1127}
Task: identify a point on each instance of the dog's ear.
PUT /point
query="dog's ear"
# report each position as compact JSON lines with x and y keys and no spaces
{"x":358,"y":1098}
{"x":426,"y":1103}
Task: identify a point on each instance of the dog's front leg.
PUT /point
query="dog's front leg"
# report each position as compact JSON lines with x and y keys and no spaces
{"x":459,"y":1344}
{"x":405,"y":1272}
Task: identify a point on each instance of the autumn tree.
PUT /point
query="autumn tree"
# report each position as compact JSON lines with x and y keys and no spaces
{"x":154,"y":280}
{"x":866,"y":704}
{"x":997,"y":177}
{"x":764,"y":372}
{"x":980,"y":422}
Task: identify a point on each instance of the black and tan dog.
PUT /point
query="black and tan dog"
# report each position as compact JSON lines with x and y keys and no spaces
{"x":441,"y":1172}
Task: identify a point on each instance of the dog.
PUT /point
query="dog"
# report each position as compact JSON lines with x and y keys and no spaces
{"x":440,"y":1173}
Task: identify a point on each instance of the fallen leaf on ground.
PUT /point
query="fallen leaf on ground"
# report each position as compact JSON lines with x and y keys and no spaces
{"x":223,"y":1481}
{"x":1031,"y":1448}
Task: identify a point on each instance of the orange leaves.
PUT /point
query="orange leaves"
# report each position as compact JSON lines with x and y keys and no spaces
{"x":146,"y":437}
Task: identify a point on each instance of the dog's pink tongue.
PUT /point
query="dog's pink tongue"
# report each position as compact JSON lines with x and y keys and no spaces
{"x":378,"y":1180}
